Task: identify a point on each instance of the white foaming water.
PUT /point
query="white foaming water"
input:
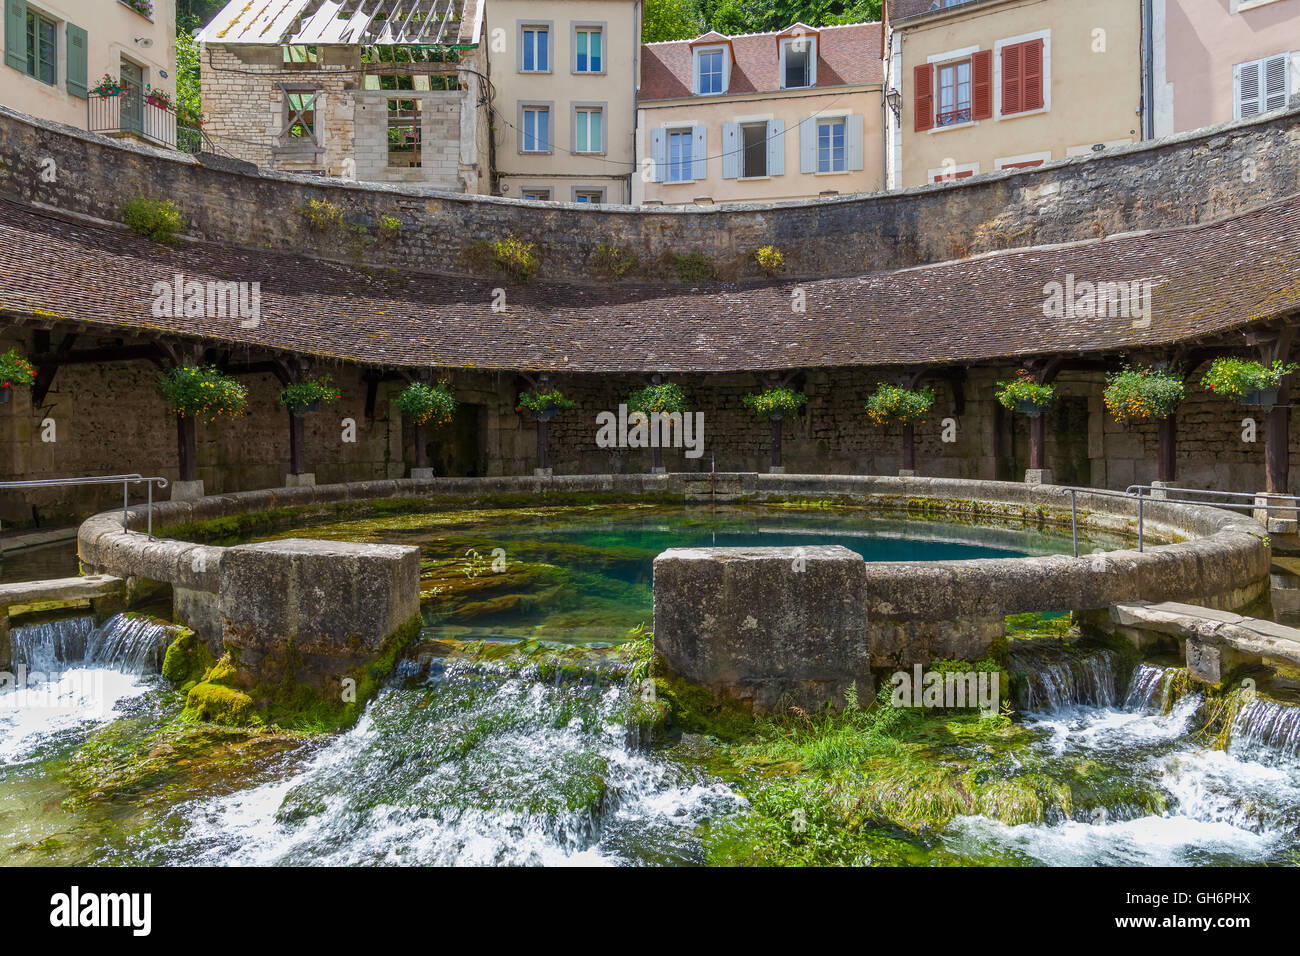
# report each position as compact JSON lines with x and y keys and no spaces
{"x":487,"y":771}
{"x":70,"y":673}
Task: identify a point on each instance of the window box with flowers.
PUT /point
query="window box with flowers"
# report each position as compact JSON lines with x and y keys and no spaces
{"x":1143,"y":394}
{"x":303,"y":397}
{"x":14,"y":371}
{"x":1247,"y":382}
{"x":142,"y":7}
{"x":1025,"y":394}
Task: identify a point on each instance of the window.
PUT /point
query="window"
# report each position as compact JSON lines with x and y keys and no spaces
{"x":536,"y":130}
{"x":301,"y":56}
{"x":588,"y":129}
{"x":954,"y":93}
{"x":950,"y":173}
{"x":679,"y":156}
{"x":1261,"y":85}
{"x":300,"y":117}
{"x":798,"y":62}
{"x":830,"y":147}
{"x":404,"y":133}
{"x":754,"y":145}
{"x":535,"y":49}
{"x":587,"y":52}
{"x":593,"y":196}
{"x":710,"y":65}
{"x":535,"y":195}
{"x":1022,"y":66}
{"x":42,"y":49}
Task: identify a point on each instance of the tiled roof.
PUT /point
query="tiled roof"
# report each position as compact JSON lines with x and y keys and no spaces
{"x":344,"y":22}
{"x":1206,"y":279}
{"x":905,"y":9}
{"x":847,"y":55}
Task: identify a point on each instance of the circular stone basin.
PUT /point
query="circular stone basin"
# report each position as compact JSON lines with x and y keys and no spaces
{"x":582,"y":574}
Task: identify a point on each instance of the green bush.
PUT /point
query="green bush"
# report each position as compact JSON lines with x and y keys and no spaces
{"x":515,"y":257}
{"x":613,"y":262}
{"x":321,"y":214}
{"x":156,"y":219}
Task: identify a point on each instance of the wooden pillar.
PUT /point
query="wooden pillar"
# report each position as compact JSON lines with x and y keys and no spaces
{"x":543,"y":445}
{"x":1168,"y":454}
{"x":187,"y":448}
{"x":909,"y":447}
{"x":1038,"y":441}
{"x":421,"y":447}
{"x":1277,"y":448}
{"x":297,"y":431}
{"x":658,"y":459}
{"x":776,"y":443}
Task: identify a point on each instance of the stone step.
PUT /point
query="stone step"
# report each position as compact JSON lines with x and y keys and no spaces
{"x":86,"y":588}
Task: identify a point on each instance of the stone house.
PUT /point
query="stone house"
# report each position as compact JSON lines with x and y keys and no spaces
{"x":388,"y":91}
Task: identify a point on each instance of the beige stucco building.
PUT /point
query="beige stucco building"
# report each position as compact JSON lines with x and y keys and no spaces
{"x":997,"y":84}
{"x":1219,"y":60}
{"x":56,"y":52}
{"x":564,"y":97}
{"x":763,"y":116}
{"x":381,"y":91}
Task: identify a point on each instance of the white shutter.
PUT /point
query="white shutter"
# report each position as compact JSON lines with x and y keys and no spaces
{"x":1247,"y":89}
{"x":775,"y":147}
{"x":807,"y":145}
{"x":853,"y":141}
{"x":1276,"y":84}
{"x":699,"y":154}
{"x":732,"y":152}
{"x":659,"y":154}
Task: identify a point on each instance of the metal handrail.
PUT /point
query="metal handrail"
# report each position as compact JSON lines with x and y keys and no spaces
{"x":126,"y":480}
{"x":1135,"y":492}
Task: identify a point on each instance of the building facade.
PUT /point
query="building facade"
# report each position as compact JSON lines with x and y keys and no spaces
{"x":57,"y":51}
{"x":984,"y":85}
{"x":1213,"y":61}
{"x":564,"y":98}
{"x":380,"y":92}
{"x":764,"y":116}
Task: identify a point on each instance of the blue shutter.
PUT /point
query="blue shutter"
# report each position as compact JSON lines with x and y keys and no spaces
{"x":659,"y":154}
{"x":699,"y":153}
{"x":853,"y":141}
{"x":16,"y":34}
{"x":77,"y":75}
{"x":775,"y":147}
{"x":807,"y":145}
{"x":732,"y":152}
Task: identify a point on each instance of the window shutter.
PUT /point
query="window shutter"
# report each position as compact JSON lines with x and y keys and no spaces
{"x":807,"y":145}
{"x":732,"y":154}
{"x":699,"y":153}
{"x":16,"y":34}
{"x":1275,"y":82}
{"x":1032,"y":74}
{"x":853,"y":141}
{"x":76,"y":61}
{"x":1012,"y":79}
{"x":659,"y":154}
{"x":981,"y":71}
{"x":923,"y":79}
{"x":1248,"y":89}
{"x":775,"y":147}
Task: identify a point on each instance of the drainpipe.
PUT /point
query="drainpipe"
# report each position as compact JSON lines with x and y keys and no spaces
{"x":637,"y":18}
{"x":1148,"y":71}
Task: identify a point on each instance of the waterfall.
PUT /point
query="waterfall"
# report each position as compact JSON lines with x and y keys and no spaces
{"x":1153,"y":688}
{"x":1072,"y":682}
{"x":132,"y":645}
{"x":1270,"y":724}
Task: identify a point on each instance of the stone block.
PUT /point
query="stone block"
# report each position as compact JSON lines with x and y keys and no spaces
{"x":187,"y":490}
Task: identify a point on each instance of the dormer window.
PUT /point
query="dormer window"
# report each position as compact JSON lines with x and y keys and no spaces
{"x":710,"y":70}
{"x":798,"y":62}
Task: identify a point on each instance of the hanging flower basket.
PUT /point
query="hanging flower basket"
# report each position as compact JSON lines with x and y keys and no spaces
{"x":1144,"y":393}
{"x":1025,"y":395}
{"x":303,"y":397}
{"x":202,"y":392}
{"x":775,"y":404}
{"x":895,"y":405}
{"x":665,"y":399}
{"x":543,"y":405}
{"x":427,"y":404}
{"x":1246,"y":381}
{"x":14,"y":371}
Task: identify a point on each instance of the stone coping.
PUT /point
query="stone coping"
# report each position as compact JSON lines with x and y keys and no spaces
{"x":1213,"y":556}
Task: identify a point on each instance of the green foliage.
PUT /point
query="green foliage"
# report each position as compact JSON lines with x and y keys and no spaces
{"x":770,"y":259}
{"x":322,"y":215}
{"x":1234,"y":377}
{"x":203,"y":392}
{"x":541,"y":401}
{"x":1024,"y":389}
{"x":15,"y":370}
{"x":670,"y":20}
{"x":895,"y":405}
{"x":613,"y":262}
{"x":189,"y":94}
{"x":658,"y":399}
{"x":772,"y":401}
{"x":156,"y":219}
{"x":515,"y":257}
{"x":693,"y":266}
{"x":388,"y":226}
{"x":427,"y":404}
{"x":686,"y":19}
{"x":1144,"y":393}
{"x":312,"y":391}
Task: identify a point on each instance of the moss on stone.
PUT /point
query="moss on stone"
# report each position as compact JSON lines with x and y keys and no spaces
{"x":187,"y":659}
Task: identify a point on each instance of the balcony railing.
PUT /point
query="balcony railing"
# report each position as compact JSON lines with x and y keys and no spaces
{"x":129,"y":113}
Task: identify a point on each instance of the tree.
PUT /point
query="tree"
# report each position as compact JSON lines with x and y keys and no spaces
{"x":670,"y":20}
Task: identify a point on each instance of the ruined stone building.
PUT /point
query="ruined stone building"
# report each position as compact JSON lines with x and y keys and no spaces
{"x":373,"y":90}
